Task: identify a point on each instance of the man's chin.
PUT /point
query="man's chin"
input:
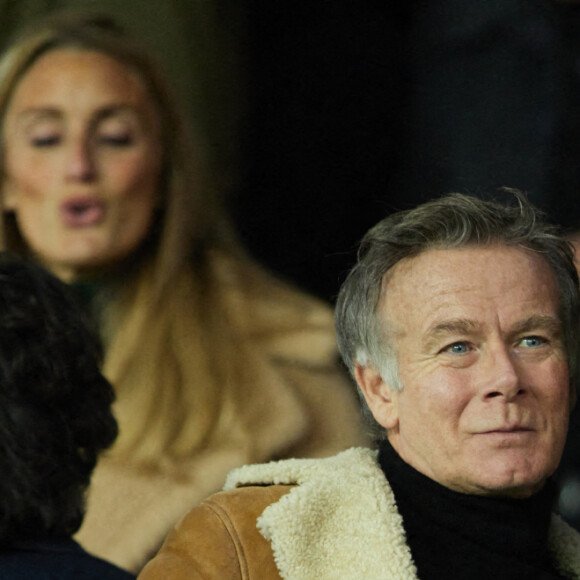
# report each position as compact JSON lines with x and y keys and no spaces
{"x":511,"y":483}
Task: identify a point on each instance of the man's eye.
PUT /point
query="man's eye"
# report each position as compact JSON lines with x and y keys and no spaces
{"x":457,"y":348}
{"x":532,"y":341}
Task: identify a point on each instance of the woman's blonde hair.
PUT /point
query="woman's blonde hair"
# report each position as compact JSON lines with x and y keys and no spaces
{"x":172,"y":355}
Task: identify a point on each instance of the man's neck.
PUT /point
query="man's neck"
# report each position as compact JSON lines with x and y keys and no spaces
{"x":455,"y":535}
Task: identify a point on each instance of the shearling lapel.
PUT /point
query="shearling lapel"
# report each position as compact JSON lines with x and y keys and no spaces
{"x":565,"y":546}
{"x":340,"y":521}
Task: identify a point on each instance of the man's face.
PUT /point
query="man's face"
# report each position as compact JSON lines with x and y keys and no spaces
{"x":485,"y":400}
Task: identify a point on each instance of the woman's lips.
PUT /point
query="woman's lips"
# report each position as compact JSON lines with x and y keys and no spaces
{"x":81,"y":212}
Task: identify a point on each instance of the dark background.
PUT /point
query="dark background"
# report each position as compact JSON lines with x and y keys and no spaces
{"x":357,"y":109}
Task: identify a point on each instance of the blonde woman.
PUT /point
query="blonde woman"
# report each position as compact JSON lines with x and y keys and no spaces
{"x":215,"y":362}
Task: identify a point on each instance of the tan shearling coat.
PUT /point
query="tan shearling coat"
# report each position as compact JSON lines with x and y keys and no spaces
{"x":307,"y":519}
{"x":305,"y":406}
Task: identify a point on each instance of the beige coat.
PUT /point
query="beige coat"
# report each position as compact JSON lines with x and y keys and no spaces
{"x":305,"y":407}
{"x":326,"y":519}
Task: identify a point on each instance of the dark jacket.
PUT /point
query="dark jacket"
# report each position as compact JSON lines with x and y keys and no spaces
{"x":56,"y":559}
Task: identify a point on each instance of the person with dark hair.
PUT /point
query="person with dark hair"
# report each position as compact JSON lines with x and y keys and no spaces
{"x":459,"y":324}
{"x":55,"y":420}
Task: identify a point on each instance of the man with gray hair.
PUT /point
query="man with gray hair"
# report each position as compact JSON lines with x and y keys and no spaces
{"x":459,"y":324}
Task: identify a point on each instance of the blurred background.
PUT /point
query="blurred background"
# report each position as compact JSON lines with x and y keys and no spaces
{"x":319,"y":118}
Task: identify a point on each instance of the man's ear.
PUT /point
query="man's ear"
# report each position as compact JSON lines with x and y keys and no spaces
{"x":381,"y":398}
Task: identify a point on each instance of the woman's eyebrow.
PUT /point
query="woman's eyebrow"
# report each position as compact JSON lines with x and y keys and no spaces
{"x":41,"y":112}
{"x":115,"y":109}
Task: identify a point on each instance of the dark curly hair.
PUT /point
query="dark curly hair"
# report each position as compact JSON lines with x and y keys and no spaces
{"x":55,"y":405}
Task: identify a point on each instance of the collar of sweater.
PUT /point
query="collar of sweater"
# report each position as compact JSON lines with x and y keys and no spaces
{"x":488,"y":533}
{"x":341,"y":520}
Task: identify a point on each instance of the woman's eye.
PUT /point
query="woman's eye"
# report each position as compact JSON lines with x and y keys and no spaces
{"x":532,"y":341}
{"x":457,"y":348}
{"x":121,"y":140}
{"x":45,"y":140}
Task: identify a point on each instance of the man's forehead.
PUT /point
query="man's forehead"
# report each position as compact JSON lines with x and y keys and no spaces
{"x":440,"y":282}
{"x":434,"y":258}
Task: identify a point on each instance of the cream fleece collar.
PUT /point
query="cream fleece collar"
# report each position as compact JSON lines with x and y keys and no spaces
{"x":341,"y":521}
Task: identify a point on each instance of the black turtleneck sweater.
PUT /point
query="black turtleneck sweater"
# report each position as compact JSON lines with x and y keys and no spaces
{"x":455,"y":536}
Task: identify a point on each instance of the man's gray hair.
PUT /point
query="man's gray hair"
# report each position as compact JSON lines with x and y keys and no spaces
{"x":453,"y":221}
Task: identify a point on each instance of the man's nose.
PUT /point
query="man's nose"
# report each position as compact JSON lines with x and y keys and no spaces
{"x":80,"y":164}
{"x":501,"y":378}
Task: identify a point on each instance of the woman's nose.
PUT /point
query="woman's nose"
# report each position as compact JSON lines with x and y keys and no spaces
{"x":80,"y":165}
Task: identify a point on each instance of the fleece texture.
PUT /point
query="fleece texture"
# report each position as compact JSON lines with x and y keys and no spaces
{"x":341,"y":520}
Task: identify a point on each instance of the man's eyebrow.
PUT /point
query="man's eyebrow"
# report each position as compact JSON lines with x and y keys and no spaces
{"x":458,"y":326}
{"x":539,"y":322}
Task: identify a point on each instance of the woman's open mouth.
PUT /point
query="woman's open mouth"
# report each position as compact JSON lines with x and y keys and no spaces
{"x":80,"y":212}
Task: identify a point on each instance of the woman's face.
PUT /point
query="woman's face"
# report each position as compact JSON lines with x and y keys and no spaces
{"x":83,"y":160}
